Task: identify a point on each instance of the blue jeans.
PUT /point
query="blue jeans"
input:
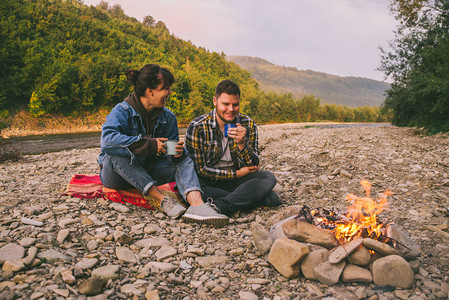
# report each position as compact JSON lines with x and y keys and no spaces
{"x":119,"y":172}
{"x":239,"y":194}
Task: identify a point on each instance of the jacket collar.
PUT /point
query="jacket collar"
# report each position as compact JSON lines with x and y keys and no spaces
{"x":134,"y":101}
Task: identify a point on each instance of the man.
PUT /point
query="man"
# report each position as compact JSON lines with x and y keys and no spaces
{"x":228,"y":166}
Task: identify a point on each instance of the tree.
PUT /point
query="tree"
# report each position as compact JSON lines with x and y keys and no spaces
{"x":418,"y":65}
{"x":117,"y":11}
{"x":103,"y":5}
{"x":148,"y":21}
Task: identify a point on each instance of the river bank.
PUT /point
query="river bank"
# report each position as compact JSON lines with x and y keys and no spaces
{"x":175,"y":260}
{"x":43,"y":143}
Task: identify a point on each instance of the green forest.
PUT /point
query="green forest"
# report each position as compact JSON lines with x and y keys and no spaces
{"x":63,"y":57}
{"x":418,"y":65}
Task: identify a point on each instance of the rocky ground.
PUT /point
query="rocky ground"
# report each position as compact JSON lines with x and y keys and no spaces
{"x":71,"y":245}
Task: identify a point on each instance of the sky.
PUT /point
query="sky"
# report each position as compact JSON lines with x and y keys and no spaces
{"x":339,"y":37}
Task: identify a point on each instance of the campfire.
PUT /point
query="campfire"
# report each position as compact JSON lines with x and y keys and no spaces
{"x":355,"y":246}
{"x":361,"y":220}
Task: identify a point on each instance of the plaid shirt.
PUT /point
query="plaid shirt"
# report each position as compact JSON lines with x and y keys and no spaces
{"x":203,"y":143}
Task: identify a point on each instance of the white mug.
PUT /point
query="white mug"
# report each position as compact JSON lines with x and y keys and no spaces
{"x":171,"y":147}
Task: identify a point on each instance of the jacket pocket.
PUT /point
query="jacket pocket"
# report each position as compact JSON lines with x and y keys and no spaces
{"x":213,"y":153}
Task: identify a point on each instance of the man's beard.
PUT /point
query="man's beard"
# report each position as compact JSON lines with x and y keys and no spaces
{"x":224,"y":119}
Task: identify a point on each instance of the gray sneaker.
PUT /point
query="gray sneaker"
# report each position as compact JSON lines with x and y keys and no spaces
{"x":205,"y":214}
{"x":172,"y":207}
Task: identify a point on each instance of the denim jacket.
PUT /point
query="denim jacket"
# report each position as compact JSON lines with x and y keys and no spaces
{"x":124,"y":126}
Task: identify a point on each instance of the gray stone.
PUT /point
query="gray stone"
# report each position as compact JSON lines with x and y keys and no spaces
{"x":152,"y":228}
{"x":62,"y":292}
{"x":277,"y":232}
{"x":261,"y":237}
{"x":246,"y":295}
{"x":165,"y":252}
{"x":328,"y":273}
{"x":13,"y":265}
{"x":257,"y":281}
{"x":288,"y":212}
{"x":108,"y":271}
{"x":119,"y":207}
{"x":32,"y":210}
{"x":342,"y":251}
{"x":86,"y":263}
{"x":29,"y":259}
{"x":68,"y":277}
{"x":92,"y":286}
{"x":360,"y":257}
{"x":126,"y":255}
{"x":11,"y":252}
{"x":313,"y":259}
{"x":31,"y":222}
{"x":122,"y":237}
{"x":152,"y":295}
{"x":27,"y":242}
{"x":66,"y":221}
{"x":405,"y":246}
{"x":160,"y":267}
{"x":152,"y":242}
{"x":377,"y":246}
{"x":211,"y":261}
{"x":392,"y":270}
{"x":285,"y":256}
{"x":51,"y":256}
{"x":92,"y":245}
{"x":402,"y":294}
{"x":414,"y":264}
{"x":305,"y":232}
{"x":128,"y":289}
{"x":353,"y":273}
{"x":62,"y":235}
{"x":195,"y":250}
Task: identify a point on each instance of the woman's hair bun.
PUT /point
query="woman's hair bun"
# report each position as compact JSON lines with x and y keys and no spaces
{"x":132,"y":75}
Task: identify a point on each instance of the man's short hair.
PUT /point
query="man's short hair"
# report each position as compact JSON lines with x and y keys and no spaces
{"x":228,"y":87}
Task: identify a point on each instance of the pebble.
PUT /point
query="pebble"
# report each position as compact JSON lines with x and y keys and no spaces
{"x":108,"y":271}
{"x":11,"y":252}
{"x":31,"y":222}
{"x":92,"y":286}
{"x":87,"y":263}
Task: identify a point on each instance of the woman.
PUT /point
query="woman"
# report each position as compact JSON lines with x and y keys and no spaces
{"x":134,"y":150}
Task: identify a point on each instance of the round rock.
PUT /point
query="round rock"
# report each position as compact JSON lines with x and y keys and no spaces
{"x":393,"y":270}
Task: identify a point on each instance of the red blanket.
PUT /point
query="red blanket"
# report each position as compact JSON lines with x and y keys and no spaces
{"x":90,"y":186}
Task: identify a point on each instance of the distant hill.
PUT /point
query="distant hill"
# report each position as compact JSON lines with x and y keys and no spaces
{"x":351,"y":91}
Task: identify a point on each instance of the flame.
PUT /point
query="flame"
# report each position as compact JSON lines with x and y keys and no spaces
{"x":362,"y":215}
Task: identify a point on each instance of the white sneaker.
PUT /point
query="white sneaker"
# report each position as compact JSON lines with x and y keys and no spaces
{"x":205,"y":214}
{"x":172,"y":207}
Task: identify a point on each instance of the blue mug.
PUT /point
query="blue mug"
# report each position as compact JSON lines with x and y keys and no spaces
{"x":227,"y":126}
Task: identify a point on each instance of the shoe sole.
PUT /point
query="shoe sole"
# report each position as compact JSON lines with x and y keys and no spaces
{"x":176,"y":216}
{"x":219,"y":222}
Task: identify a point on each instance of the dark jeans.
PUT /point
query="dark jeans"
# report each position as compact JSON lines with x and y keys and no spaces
{"x":243,"y":193}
